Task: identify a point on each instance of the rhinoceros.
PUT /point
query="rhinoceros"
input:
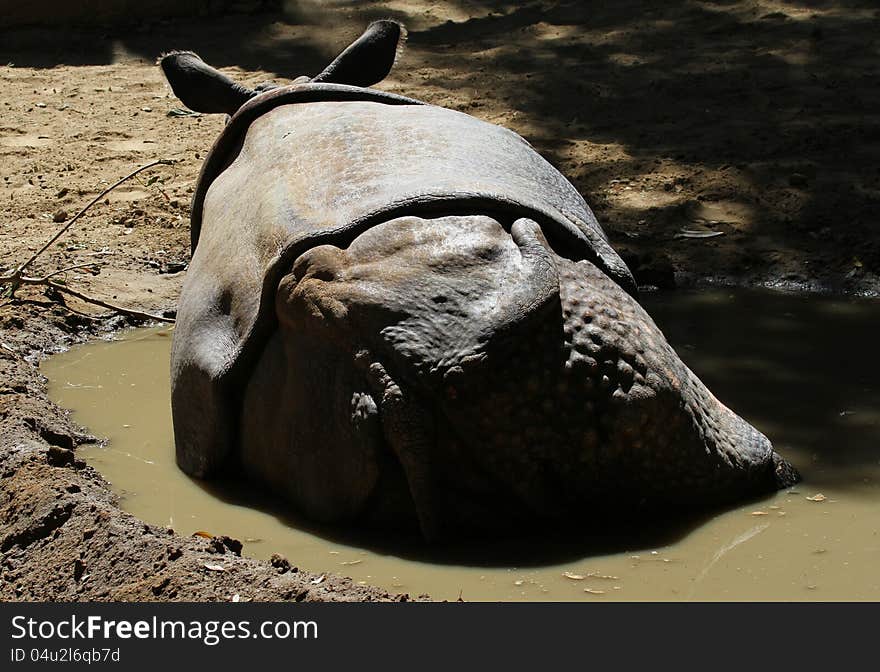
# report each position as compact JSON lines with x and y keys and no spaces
{"x":397,"y":315}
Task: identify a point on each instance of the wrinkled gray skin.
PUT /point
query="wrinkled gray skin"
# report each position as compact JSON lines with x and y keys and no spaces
{"x":399,"y":315}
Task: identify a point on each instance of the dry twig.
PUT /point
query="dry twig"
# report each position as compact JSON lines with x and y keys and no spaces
{"x":17,"y":278}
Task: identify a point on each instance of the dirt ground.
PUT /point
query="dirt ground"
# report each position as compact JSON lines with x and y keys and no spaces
{"x":753,"y":119}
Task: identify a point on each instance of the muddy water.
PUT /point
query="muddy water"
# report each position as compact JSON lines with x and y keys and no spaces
{"x":803,"y":370}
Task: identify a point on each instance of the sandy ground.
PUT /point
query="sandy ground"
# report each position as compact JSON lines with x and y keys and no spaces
{"x":755,"y":120}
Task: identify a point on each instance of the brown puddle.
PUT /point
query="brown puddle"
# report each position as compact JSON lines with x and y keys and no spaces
{"x":802,"y":369}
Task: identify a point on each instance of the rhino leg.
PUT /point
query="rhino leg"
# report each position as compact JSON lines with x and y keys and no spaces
{"x":204,"y":436}
{"x":409,"y":433}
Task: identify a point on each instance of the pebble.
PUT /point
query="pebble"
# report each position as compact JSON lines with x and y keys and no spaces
{"x":59,"y":216}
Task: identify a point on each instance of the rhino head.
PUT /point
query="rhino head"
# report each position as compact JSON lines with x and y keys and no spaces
{"x":204,"y":89}
{"x":398,"y":314}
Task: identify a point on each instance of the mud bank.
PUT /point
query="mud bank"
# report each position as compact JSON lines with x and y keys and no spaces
{"x":63,"y":536}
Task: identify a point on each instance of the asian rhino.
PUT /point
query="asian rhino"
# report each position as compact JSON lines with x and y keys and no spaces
{"x":397,"y":314}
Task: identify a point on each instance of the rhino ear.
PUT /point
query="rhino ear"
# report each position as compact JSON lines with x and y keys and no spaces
{"x":199,"y":86}
{"x":369,"y":58}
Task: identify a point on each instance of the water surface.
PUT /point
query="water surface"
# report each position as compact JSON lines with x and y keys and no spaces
{"x":801,"y":369}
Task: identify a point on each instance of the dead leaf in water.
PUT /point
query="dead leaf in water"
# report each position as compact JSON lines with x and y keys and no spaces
{"x":818,"y":497}
{"x":592,"y":591}
{"x":692,"y":233}
{"x":351,"y":562}
{"x":203,"y":534}
{"x":573,"y":577}
{"x":759,"y":513}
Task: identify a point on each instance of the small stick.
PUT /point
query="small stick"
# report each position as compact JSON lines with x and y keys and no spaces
{"x":99,"y":302}
{"x":17,"y":278}
{"x":26,"y":280}
{"x":20,"y":269}
{"x":64,"y":270}
{"x":45,"y":281}
{"x":147,"y":185}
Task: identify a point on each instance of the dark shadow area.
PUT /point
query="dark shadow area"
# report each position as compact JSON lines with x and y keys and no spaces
{"x":773,"y":113}
{"x":780,"y":107}
{"x":234,"y":39}
{"x":800,"y":369}
{"x":607,"y":532}
{"x":86,"y":13}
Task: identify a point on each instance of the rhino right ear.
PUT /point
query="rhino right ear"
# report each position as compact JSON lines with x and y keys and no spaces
{"x":200,"y":87}
{"x":369,"y":58}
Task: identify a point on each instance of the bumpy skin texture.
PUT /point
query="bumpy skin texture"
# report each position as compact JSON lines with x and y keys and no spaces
{"x":399,"y":315}
{"x":405,"y":380}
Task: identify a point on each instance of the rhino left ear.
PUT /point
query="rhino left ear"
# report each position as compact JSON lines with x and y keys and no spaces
{"x":369,"y":58}
{"x":200,"y":87}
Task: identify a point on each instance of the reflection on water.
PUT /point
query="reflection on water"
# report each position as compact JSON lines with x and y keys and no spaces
{"x":803,"y":370}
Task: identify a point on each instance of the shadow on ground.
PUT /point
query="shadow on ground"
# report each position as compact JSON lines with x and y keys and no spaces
{"x":772,"y":113}
{"x":603,"y":531}
{"x":755,"y":120}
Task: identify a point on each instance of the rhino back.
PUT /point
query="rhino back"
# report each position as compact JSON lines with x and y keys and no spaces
{"x":318,"y":166}
{"x":318,"y":172}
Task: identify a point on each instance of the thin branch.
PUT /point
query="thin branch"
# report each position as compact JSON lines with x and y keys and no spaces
{"x":17,"y":278}
{"x":153,"y":182}
{"x":69,"y":268}
{"x":63,"y":229}
{"x":99,"y":302}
